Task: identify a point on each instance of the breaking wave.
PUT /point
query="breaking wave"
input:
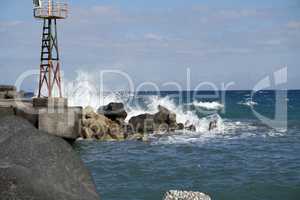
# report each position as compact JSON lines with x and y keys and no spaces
{"x":83,"y":92}
{"x":186,"y":117}
{"x":209,"y":105}
{"x":248,"y":102}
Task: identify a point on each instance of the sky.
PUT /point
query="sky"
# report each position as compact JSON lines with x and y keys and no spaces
{"x":220,"y":41}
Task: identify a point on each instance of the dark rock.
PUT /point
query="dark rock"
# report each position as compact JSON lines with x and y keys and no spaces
{"x":164,"y":115}
{"x":143,"y":123}
{"x":35,"y":165}
{"x":113,"y":111}
{"x":180,"y":126}
{"x":162,"y":121}
{"x":191,"y":128}
{"x":126,"y":127}
{"x":213,"y":125}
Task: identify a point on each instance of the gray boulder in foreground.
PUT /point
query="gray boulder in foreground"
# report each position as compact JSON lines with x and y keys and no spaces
{"x":185,"y":195}
{"x":35,"y":166}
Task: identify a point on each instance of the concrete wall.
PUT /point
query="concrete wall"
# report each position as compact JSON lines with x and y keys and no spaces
{"x":6,"y":111}
{"x":62,"y":122}
{"x":52,"y":102}
{"x":8,"y":92}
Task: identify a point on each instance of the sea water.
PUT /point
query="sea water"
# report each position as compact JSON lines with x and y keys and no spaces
{"x":242,"y":159}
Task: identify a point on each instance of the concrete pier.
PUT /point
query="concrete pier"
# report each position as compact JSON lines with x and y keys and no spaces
{"x":64,"y":123}
{"x":49,"y":115}
{"x":8,"y":92}
{"x":52,"y":102}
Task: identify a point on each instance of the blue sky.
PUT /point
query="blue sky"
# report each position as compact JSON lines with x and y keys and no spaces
{"x":220,"y":41}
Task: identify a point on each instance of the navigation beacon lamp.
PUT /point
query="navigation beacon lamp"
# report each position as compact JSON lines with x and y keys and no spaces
{"x":49,"y":11}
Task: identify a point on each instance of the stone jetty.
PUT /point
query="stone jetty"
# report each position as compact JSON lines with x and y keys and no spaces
{"x":51,"y":115}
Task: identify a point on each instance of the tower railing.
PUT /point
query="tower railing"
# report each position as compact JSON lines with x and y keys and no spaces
{"x":52,"y":10}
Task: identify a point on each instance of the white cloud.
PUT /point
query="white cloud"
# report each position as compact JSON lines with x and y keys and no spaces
{"x":236,"y":14}
{"x":294,"y":25}
{"x":270,"y":42}
{"x":5,"y":25}
{"x":153,"y":36}
{"x":105,"y":10}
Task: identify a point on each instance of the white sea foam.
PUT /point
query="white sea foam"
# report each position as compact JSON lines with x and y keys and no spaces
{"x":186,"y":117}
{"x":83,"y":92}
{"x":209,"y":105}
{"x":248,"y":102}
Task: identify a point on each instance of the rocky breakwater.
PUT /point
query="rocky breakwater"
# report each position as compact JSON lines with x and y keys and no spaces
{"x":35,"y":165}
{"x":98,"y":126}
{"x":108,"y":123}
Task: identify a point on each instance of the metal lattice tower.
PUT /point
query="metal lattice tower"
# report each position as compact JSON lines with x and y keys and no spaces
{"x":50,"y":11}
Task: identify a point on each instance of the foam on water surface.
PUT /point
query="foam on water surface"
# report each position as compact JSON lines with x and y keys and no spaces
{"x":83,"y":92}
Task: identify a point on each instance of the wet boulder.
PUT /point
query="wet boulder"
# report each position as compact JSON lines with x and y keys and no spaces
{"x":213,"y":125}
{"x":162,"y":121}
{"x":98,"y":126}
{"x":113,"y":111}
{"x":164,"y":116}
{"x":180,"y":126}
{"x":143,"y":123}
{"x":165,"y":120}
{"x":191,"y":128}
{"x":35,"y":165}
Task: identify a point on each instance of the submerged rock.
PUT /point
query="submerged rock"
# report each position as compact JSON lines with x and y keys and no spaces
{"x":113,"y":111}
{"x":180,"y":126}
{"x":185,"y":195}
{"x":191,"y":128}
{"x":35,"y":165}
{"x":138,"y":137}
{"x":213,"y":125}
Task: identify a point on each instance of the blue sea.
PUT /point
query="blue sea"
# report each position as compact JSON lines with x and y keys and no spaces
{"x":246,"y":157}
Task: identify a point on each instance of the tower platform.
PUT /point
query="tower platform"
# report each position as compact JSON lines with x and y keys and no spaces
{"x":50,"y":102}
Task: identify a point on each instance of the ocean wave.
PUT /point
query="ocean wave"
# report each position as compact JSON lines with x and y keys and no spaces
{"x":186,"y":117}
{"x":231,"y":130}
{"x":209,"y":105}
{"x":82,"y":92}
{"x":248,"y":103}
